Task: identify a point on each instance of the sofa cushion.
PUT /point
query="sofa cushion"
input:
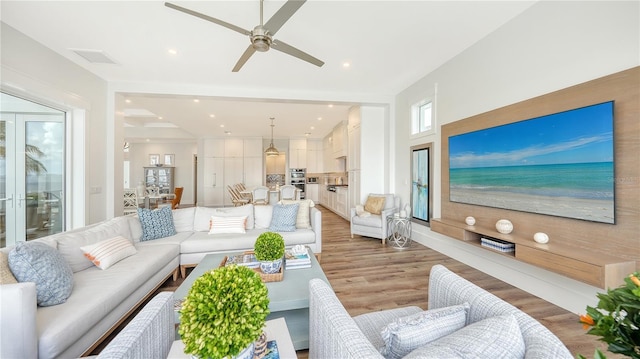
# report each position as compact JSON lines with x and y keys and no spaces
{"x":203,"y":215}
{"x":183,"y":219}
{"x":106,"y":253}
{"x":372,"y":323}
{"x":263,"y":216}
{"x":157,"y":223}
{"x":302,"y":218}
{"x":6,"y":277}
{"x":405,"y":334}
{"x":46,"y":267}
{"x":374,"y":204}
{"x":372,"y":220}
{"x":227,"y":224}
{"x":70,"y":242}
{"x":494,"y":337}
{"x":284,"y":217}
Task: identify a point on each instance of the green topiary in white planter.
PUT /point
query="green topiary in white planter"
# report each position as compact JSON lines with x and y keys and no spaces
{"x":269,"y":250}
{"x":224,"y":312}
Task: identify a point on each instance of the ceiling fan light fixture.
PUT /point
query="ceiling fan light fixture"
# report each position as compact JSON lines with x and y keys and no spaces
{"x":271,"y":150}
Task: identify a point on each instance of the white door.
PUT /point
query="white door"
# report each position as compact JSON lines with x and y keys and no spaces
{"x":32,"y":143}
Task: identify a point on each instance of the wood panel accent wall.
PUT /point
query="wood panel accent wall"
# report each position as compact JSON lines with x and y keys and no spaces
{"x":621,"y":239}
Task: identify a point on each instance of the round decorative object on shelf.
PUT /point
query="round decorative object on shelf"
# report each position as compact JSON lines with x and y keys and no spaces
{"x":504,"y":226}
{"x":470,"y":221}
{"x":541,"y":237}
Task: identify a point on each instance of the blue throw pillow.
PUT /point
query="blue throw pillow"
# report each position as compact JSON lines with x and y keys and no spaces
{"x":284,"y":218}
{"x":156,"y":224}
{"x":46,"y":267}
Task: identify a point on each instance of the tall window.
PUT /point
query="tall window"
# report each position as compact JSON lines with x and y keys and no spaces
{"x":422,"y":118}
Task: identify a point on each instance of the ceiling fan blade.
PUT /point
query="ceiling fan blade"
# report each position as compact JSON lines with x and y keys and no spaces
{"x":290,"y":50}
{"x":281,"y":16}
{"x":208,"y":18}
{"x":243,"y":59}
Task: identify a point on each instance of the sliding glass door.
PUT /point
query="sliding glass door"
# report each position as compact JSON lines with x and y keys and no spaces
{"x":32,"y":144}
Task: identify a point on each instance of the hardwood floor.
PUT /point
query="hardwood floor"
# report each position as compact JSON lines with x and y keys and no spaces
{"x":367,"y":277}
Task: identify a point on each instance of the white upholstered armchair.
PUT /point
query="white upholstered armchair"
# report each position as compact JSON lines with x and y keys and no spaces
{"x":370,"y":219}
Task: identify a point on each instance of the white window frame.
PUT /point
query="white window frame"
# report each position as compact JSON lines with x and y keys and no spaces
{"x":416,"y":119}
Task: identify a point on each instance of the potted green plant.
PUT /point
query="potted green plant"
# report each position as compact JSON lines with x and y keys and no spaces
{"x":269,"y":250}
{"x":616,"y":318}
{"x":224,"y":313}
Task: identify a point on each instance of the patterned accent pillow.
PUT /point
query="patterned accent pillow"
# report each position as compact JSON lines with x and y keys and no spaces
{"x":227,"y":224}
{"x":374,"y":204}
{"x":106,"y":253}
{"x":405,"y":334}
{"x":6,"y":277}
{"x":284,"y":218}
{"x":156,"y":224}
{"x":46,"y":267}
{"x":494,"y":337}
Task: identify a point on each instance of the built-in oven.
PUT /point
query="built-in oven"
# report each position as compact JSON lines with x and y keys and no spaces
{"x":297,"y":178}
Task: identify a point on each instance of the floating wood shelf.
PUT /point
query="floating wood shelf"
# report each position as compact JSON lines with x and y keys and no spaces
{"x":598,"y":269}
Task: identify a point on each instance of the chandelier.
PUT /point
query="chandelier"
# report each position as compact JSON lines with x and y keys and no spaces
{"x":271,"y":150}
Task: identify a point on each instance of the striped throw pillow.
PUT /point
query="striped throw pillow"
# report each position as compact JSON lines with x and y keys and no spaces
{"x":227,"y":224}
{"x":106,"y":253}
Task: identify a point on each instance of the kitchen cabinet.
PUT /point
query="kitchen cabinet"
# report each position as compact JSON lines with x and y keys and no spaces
{"x":233,"y":147}
{"x":353,"y":140}
{"x":339,"y":142}
{"x":324,"y":196}
{"x":340,"y":205}
{"x":160,"y":177}
{"x":312,"y":192}
{"x":213,"y":184}
{"x":297,"y":153}
{"x":315,"y":156}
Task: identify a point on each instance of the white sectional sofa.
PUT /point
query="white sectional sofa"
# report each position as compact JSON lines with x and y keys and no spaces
{"x":101,"y":299}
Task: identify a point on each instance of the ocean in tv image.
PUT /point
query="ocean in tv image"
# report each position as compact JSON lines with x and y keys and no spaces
{"x":560,"y":164}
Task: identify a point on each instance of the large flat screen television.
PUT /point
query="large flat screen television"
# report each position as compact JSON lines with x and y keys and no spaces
{"x":560,"y":164}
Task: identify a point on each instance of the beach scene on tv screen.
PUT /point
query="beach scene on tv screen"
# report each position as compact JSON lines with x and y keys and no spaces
{"x":560,"y":164}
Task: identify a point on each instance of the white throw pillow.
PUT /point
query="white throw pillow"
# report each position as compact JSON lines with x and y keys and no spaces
{"x":228,"y":224}
{"x":183,"y":219}
{"x":106,"y":253}
{"x":203,"y":215}
{"x":263,"y":216}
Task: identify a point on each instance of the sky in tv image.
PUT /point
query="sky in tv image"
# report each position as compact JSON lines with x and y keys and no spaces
{"x":560,"y":164}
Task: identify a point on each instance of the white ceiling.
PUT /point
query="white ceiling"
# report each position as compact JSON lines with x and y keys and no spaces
{"x":389,"y":45}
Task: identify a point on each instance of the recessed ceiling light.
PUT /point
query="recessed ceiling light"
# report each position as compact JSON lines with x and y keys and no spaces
{"x":313,"y":128}
{"x":346,"y":64}
{"x":148,"y":140}
{"x":221,"y":126}
{"x":127,"y":101}
{"x":307,"y":134}
{"x":196,"y":100}
{"x":330,"y":105}
{"x":159,"y":117}
{"x":212,"y":115}
{"x":172,"y":51}
{"x":319,"y":118}
{"x":227,"y":132}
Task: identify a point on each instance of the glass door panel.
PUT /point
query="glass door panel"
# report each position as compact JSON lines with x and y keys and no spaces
{"x":32,"y":170}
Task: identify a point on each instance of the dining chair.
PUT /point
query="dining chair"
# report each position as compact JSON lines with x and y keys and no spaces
{"x":130,"y":201}
{"x":260,"y":195}
{"x":236,"y":199}
{"x":242,"y":189}
{"x":288,"y":192}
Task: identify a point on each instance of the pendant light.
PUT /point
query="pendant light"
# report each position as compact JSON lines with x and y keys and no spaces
{"x":271,"y":150}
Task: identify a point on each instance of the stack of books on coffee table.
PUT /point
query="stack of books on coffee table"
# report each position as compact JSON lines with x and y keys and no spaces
{"x":297,"y":258}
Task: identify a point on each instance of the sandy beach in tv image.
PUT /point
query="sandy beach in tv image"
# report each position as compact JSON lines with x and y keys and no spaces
{"x":560,"y":164}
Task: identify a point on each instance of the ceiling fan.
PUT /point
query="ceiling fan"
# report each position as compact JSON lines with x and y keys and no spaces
{"x":262,"y":35}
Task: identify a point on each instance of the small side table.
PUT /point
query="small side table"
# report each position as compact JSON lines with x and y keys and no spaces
{"x":399,"y":232}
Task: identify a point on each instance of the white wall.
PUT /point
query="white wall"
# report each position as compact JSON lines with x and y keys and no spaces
{"x":551,"y":46}
{"x":35,"y":72}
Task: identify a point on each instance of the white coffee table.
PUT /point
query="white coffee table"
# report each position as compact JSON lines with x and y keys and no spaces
{"x":276,"y":329}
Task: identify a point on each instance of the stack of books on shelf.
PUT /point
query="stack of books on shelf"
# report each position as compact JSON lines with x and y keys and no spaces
{"x":245,"y":259}
{"x":297,"y":257}
{"x":497,"y":244}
